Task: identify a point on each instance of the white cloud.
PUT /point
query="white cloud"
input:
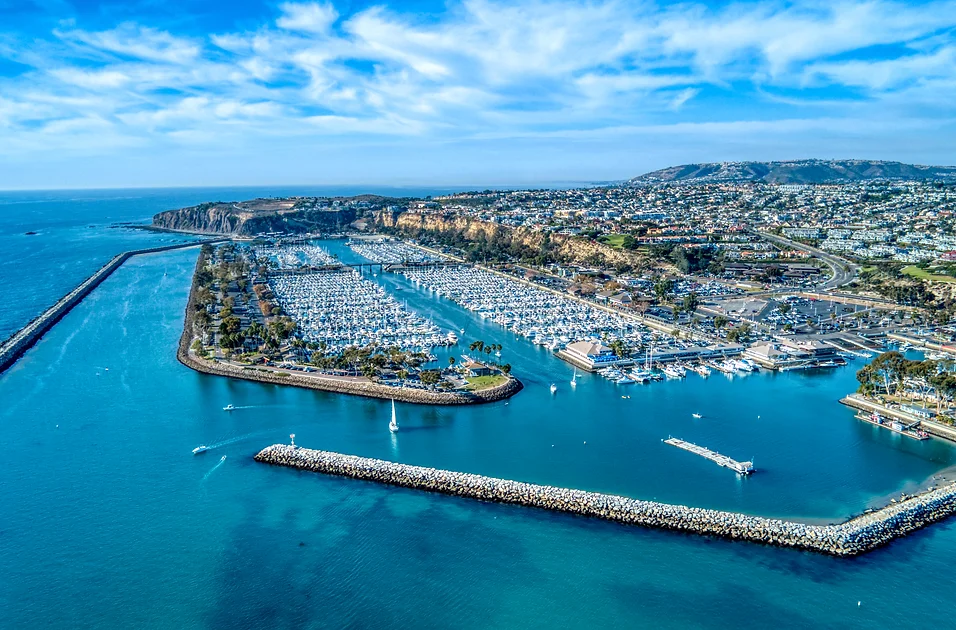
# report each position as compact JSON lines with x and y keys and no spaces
{"x":311,"y":17}
{"x":482,"y":69}
{"x":137,"y":42}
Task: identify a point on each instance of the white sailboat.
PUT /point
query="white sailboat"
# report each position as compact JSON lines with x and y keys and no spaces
{"x":393,"y":425}
{"x":574,"y":379}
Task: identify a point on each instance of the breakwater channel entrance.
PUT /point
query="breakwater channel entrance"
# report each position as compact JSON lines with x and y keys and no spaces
{"x":22,"y":340}
{"x":855,"y":536}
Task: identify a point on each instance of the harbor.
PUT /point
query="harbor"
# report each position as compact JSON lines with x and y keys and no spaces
{"x":741,"y":468}
{"x":245,"y":521}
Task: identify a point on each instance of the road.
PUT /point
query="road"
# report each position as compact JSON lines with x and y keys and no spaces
{"x":843,"y":270}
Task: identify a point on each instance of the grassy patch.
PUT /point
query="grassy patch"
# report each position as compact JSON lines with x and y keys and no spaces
{"x":476,"y":383}
{"x":921,"y":274}
{"x":613,"y":240}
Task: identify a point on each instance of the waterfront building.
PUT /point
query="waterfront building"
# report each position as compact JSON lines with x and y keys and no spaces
{"x":594,"y":356}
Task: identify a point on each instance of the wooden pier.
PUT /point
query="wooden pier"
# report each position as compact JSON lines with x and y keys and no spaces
{"x":741,"y":468}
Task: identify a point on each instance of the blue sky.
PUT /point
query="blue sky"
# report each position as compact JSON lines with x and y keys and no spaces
{"x":479,"y":92}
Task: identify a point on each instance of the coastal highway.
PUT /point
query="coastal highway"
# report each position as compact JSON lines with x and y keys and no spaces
{"x":843,"y":271}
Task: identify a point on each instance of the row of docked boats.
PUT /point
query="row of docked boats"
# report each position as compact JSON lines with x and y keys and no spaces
{"x":389,"y":251}
{"x":293,"y":256}
{"x":341,"y":309}
{"x":541,"y":316}
{"x":704,"y":369}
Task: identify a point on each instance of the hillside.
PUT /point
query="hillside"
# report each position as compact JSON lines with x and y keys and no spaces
{"x":795,"y":172}
{"x":257,"y":216}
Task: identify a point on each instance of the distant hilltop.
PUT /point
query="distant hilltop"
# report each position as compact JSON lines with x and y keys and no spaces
{"x":795,"y":172}
{"x":260,"y":216}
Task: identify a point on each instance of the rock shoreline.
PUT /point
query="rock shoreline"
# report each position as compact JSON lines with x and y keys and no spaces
{"x":858,"y":535}
{"x":367,"y":389}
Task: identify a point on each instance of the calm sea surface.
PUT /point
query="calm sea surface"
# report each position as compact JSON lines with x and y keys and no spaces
{"x":108,"y":521}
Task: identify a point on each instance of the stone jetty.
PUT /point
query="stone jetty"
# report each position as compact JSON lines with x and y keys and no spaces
{"x":858,"y":535}
{"x":21,"y":341}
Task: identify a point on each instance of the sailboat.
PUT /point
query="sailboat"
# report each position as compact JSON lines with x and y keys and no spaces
{"x":393,"y":425}
{"x":574,"y":379}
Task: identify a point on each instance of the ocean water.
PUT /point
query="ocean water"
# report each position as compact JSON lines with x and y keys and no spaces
{"x":108,"y":521}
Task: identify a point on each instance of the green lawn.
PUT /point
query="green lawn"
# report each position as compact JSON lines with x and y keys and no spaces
{"x":922,"y":274}
{"x":484,"y":382}
{"x":614,"y":240}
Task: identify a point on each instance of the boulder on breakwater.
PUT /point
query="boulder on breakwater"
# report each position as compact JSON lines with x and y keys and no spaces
{"x":858,"y":535}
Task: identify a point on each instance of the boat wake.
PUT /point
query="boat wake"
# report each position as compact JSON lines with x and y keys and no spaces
{"x":213,"y":469}
{"x":235,"y":440}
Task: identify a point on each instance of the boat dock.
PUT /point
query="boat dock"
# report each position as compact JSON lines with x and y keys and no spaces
{"x":741,"y":468}
{"x":909,"y":430}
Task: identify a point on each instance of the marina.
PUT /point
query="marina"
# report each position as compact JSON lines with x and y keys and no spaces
{"x":741,"y":468}
{"x":542,"y":317}
{"x":341,"y":309}
{"x":246,"y":521}
{"x":388,"y":250}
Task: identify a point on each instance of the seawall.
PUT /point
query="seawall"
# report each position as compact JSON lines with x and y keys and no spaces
{"x":21,"y":341}
{"x":858,"y":535}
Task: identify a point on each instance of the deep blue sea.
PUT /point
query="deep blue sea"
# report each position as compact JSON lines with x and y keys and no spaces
{"x":108,"y":521}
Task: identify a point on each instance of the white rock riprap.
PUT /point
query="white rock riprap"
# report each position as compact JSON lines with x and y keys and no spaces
{"x":856,"y":536}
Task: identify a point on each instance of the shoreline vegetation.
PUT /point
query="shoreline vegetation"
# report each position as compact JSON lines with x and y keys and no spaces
{"x":191,"y":349}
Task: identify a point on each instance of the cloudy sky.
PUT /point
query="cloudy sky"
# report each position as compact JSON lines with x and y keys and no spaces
{"x":473,"y":92}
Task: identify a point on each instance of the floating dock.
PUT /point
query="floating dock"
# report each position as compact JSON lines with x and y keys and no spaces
{"x":909,"y":430}
{"x":741,"y":468}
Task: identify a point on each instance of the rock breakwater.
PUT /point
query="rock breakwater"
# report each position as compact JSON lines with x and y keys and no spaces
{"x":858,"y":535}
{"x":21,"y":341}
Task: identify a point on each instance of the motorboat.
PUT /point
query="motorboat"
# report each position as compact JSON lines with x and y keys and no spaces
{"x":574,"y":379}
{"x":671,"y":371}
{"x":202,"y":448}
{"x":228,"y":407}
{"x":697,"y":416}
{"x":554,"y":388}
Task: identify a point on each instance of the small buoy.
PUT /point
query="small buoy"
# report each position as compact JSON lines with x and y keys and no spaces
{"x":552,"y":446}
{"x":585,"y":441}
{"x":57,"y":426}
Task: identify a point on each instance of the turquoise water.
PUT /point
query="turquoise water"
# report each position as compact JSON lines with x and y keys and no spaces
{"x":108,"y":521}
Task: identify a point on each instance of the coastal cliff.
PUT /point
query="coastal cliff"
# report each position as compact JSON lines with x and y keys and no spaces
{"x":294,"y":215}
{"x":565,"y":248}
